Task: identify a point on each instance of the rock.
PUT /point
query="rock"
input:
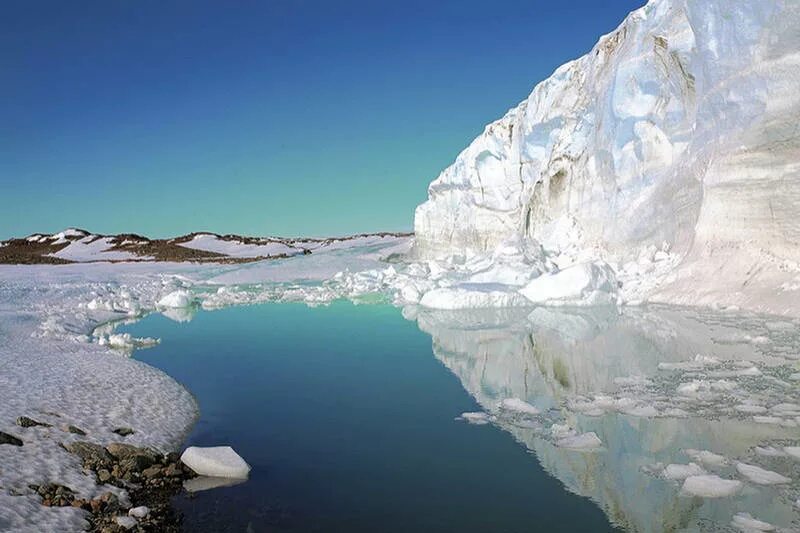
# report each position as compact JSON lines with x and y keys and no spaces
{"x":76,"y":430}
{"x":27,"y":422}
{"x":139,"y":512}
{"x":54,"y":495}
{"x":216,"y":461}
{"x":173,"y":470}
{"x":152,"y":472}
{"x":90,"y":453}
{"x":103,"y":475}
{"x":5,"y":438}
{"x":126,"y":451}
{"x":135,"y":463}
{"x":123,"y":432}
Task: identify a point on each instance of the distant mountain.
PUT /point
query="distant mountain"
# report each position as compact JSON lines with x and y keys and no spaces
{"x":80,"y":246}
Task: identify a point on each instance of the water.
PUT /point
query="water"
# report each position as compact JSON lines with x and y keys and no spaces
{"x":347,"y":415}
{"x":347,"y":418}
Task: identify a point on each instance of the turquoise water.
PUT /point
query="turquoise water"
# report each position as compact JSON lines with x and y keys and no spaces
{"x":347,"y":419}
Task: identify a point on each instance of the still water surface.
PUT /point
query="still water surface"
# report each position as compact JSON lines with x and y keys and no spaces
{"x":348,"y":421}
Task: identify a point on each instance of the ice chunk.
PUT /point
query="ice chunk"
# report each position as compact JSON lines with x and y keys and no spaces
{"x":710,"y":486}
{"x":706,"y":457}
{"x":216,"y":461}
{"x":746,"y":522}
{"x":518,"y":406}
{"x":477,"y":418}
{"x":176,"y":299}
{"x":769,"y":451}
{"x":758,"y":475}
{"x":586,"y":283}
{"x":472,"y":295}
{"x":794,"y":451}
{"x":584,"y":441}
{"x":676,"y":471}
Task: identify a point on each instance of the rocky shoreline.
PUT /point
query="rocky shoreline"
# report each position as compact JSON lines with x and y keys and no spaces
{"x":148,"y":477}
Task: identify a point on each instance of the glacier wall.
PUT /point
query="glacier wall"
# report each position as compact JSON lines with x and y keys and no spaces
{"x":680,"y":129}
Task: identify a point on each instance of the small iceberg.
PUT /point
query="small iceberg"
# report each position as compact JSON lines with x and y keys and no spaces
{"x":215,"y":461}
{"x":176,"y":300}
{"x":760,"y":476}
{"x":710,"y":486}
{"x":519,"y":406}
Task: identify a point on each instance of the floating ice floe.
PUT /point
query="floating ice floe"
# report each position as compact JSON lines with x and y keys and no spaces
{"x":519,"y":406}
{"x":710,"y":486}
{"x":706,"y":457}
{"x":216,"y":461}
{"x":747,"y":523}
{"x":760,"y":476}
{"x":476,"y":418}
{"x":769,"y":451}
{"x":584,"y":441}
{"x":679,"y":472}
{"x":793,"y":451}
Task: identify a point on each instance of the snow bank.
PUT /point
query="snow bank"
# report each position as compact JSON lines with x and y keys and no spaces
{"x":235,"y":248}
{"x":93,"y":248}
{"x":217,"y":461}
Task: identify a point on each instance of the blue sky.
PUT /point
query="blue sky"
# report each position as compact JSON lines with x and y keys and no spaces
{"x":291,"y":117}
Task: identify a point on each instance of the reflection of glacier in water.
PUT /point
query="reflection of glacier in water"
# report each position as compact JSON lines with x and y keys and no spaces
{"x":657,"y":386}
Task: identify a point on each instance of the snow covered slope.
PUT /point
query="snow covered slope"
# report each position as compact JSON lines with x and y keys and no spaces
{"x":678,"y":132}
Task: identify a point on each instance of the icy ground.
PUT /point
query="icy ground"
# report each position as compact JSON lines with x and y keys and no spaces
{"x":660,"y":415}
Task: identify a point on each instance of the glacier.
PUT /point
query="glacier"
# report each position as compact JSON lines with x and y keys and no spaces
{"x":669,"y":152}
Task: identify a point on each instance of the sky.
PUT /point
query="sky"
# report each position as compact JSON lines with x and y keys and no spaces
{"x":287,"y":117}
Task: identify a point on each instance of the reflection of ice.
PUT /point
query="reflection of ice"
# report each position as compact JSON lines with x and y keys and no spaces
{"x":180,"y":314}
{"x":202,"y":483}
{"x":620,"y":376}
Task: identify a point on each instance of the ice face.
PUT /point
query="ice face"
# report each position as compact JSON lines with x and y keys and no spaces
{"x":669,"y":148}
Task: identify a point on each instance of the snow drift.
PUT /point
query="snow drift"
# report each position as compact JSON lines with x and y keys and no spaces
{"x":676,"y":133}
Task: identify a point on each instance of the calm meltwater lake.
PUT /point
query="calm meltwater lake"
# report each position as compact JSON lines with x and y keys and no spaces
{"x":348,"y":416}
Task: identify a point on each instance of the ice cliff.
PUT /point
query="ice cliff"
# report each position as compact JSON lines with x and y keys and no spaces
{"x":677,"y":135}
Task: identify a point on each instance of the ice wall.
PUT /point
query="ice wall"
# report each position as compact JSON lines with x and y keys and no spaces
{"x":680,"y":127}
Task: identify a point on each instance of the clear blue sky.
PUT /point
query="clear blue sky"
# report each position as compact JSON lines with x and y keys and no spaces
{"x":290,"y":117}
